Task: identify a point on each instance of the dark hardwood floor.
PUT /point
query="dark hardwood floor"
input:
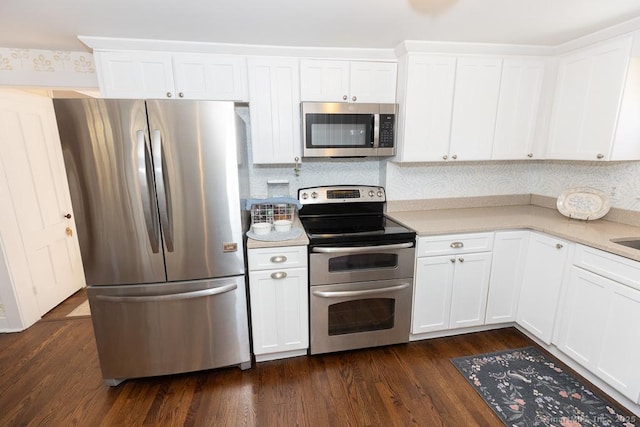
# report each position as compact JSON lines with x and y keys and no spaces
{"x":50,"y":375}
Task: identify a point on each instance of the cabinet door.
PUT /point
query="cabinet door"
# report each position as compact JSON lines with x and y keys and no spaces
{"x":588,"y":95}
{"x":213,"y":77}
{"x":324,"y":81}
{"x":426,"y":102}
{"x":134,"y":74}
{"x":582,"y":318}
{"x":507,"y":269}
{"x":279,"y":313}
{"x":470,"y":286}
{"x":475,"y":103}
{"x":432,"y":294}
{"x":373,"y":82}
{"x":517,"y":115}
{"x":620,"y":348}
{"x":541,"y":285}
{"x":274,"y":105}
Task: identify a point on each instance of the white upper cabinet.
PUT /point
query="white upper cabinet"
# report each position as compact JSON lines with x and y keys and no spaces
{"x":425,"y":95}
{"x":274,"y":105}
{"x":588,"y":99}
{"x":518,"y":106}
{"x":156,"y":75}
{"x":347,"y":81}
{"x":217,"y":77}
{"x":134,"y":74}
{"x":475,"y":103}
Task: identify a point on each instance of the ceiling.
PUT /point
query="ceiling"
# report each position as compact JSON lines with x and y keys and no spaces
{"x":55,"y":25}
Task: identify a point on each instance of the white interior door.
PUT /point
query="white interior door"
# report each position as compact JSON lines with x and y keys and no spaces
{"x":35,"y":230}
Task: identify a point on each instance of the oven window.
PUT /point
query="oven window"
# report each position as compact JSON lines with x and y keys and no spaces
{"x":339,"y":130}
{"x":362,"y":315}
{"x":362,"y":262}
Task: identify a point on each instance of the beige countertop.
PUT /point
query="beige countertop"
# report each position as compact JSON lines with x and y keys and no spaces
{"x":301,"y":240}
{"x":597,"y":234}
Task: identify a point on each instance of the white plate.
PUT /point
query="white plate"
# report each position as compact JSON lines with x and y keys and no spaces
{"x":583,"y":203}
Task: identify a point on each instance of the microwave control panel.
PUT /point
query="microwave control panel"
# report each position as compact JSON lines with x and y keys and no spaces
{"x":386,"y":136}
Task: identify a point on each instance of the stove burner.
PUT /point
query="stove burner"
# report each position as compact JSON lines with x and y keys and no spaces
{"x":348,"y":215}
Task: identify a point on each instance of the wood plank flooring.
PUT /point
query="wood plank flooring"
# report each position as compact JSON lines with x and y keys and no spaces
{"x":50,"y":375}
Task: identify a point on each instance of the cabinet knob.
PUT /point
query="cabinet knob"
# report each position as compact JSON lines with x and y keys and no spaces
{"x":530,"y":155}
{"x":345,"y":97}
{"x":454,"y":157}
{"x":168,"y":94}
{"x":354,"y":99}
{"x":68,"y":216}
{"x":600,"y":156}
{"x":452,"y":260}
{"x":181,"y":94}
{"x":457,"y":245}
{"x":461,"y":259}
{"x":278,"y":259}
{"x":559,"y":246}
{"x":279,"y":275}
{"x":445,"y":157}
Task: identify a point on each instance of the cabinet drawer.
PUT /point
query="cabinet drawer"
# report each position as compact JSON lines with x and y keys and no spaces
{"x":614,"y":267}
{"x":277,"y":258}
{"x":454,"y":244}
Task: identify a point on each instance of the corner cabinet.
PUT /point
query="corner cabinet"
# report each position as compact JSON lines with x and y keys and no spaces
{"x":138,"y":74}
{"x":347,"y":81}
{"x":451,"y":282}
{"x":591,"y":119}
{"x":274,"y":105}
{"x":541,"y":284}
{"x":507,"y":271}
{"x":278,"y":295}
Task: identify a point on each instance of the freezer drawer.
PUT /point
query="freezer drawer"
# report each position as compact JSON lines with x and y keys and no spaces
{"x":159,"y":329}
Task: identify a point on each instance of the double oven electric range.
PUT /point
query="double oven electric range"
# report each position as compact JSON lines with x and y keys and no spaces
{"x":360,"y":269}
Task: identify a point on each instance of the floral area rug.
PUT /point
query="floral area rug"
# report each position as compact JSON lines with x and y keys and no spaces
{"x":525,"y":388}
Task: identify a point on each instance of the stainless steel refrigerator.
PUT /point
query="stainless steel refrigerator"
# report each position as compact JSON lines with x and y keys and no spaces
{"x":155,"y":188}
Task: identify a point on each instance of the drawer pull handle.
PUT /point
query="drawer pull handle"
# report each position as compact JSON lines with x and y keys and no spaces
{"x":457,"y":245}
{"x":279,"y":275}
{"x":278,"y":259}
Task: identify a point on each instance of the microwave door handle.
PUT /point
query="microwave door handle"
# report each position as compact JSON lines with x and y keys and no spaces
{"x":376,"y":130}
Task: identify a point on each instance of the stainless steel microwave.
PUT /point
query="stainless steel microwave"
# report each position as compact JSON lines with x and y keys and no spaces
{"x":348,"y":130}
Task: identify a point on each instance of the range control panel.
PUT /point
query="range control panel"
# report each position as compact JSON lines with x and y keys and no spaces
{"x":341,"y":194}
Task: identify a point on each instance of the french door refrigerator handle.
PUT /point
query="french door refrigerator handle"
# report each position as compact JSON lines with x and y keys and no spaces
{"x":164,"y":193}
{"x":146,"y":191}
{"x":343,"y":294}
{"x":171,"y":297}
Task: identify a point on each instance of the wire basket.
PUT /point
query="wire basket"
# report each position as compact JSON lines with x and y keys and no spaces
{"x":269,"y":212}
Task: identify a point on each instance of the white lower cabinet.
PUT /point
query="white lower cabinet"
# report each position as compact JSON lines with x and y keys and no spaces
{"x":598,"y":326}
{"x":541,"y":284}
{"x":507,"y":270}
{"x":278,"y":294}
{"x":451,"y":287}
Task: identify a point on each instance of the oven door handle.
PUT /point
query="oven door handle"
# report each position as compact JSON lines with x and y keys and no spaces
{"x":360,"y":249}
{"x":342,"y":294}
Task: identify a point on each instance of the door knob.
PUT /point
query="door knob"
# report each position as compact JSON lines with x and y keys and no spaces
{"x":68,"y":216}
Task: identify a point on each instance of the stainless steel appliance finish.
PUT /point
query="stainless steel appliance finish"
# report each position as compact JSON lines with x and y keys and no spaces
{"x":348,"y":130}
{"x":155,"y":189}
{"x":360,"y":269}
